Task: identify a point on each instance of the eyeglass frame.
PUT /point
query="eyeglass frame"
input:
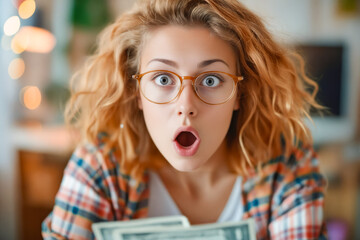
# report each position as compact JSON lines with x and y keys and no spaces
{"x":182,"y":78}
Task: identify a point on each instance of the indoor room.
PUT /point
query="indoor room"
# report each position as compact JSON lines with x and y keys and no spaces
{"x":45,"y":42}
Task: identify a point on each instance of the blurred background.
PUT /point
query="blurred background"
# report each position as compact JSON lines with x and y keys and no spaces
{"x":44,"y":41}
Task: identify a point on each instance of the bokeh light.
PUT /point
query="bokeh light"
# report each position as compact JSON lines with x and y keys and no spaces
{"x":11,"y":25}
{"x":33,"y":39}
{"x":27,"y":9}
{"x":16,"y":68}
{"x":31,"y":96}
{"x":19,"y":43}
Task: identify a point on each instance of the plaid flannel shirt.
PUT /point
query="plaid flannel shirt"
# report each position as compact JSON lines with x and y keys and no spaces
{"x":286,"y":201}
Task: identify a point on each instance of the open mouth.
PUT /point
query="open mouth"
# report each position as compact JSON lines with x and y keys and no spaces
{"x":186,"y":139}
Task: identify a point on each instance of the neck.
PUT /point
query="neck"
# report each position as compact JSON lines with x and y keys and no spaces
{"x":214,"y":172}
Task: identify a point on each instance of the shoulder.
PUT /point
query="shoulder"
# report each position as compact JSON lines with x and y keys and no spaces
{"x":97,"y":164}
{"x":90,"y":161}
{"x":286,"y":176}
{"x":93,"y":189}
{"x":301,"y":163}
{"x":286,"y":189}
{"x":299,"y":168}
{"x":297,"y":179}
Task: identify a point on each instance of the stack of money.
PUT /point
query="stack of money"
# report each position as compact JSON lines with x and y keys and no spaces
{"x":173,"y":227}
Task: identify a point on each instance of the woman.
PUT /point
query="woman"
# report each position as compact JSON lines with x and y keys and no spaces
{"x":189,"y":106}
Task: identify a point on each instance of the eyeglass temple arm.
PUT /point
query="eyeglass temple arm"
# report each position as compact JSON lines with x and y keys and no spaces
{"x":136,"y":76}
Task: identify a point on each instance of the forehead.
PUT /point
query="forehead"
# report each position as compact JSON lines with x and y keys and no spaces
{"x":186,"y":45}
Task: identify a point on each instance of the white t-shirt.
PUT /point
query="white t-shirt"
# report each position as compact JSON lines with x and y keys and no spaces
{"x":162,"y":204}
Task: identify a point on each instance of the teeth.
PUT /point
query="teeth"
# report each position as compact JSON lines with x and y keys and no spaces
{"x":186,"y":139}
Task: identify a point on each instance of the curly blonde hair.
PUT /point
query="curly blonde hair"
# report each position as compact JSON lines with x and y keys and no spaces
{"x":273,"y":97}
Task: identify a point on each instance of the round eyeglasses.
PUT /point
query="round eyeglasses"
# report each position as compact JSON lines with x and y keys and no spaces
{"x":212,"y":87}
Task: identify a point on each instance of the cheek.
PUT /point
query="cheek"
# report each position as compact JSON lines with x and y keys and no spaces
{"x":218,"y":122}
{"x":223,"y":119}
{"x":227,"y":116}
{"x":155,"y":118}
{"x":147,"y":109}
{"x":150,"y":115}
{"x":224,"y":112}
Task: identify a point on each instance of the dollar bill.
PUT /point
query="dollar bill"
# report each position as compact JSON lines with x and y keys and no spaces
{"x":105,"y":230}
{"x":244,"y":230}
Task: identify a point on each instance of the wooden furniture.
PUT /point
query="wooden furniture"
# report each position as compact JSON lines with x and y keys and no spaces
{"x":40,"y":177}
{"x":340,"y":164}
{"x":42,"y":154}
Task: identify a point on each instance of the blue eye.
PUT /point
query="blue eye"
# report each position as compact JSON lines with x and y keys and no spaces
{"x":211,"y":81}
{"x":163,"y":80}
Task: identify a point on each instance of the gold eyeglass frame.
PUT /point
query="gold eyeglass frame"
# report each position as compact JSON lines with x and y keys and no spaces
{"x":235,"y":78}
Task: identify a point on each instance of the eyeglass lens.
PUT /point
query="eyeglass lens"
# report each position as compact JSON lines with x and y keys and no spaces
{"x":211,"y":87}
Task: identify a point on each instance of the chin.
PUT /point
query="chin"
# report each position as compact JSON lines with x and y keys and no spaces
{"x":184,"y":165}
{"x":182,"y":169}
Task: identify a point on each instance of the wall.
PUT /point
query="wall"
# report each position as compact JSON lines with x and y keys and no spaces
{"x":309,"y":20}
{"x":7,"y":163}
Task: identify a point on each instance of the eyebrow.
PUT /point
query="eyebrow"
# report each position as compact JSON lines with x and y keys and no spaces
{"x":211,"y":61}
{"x":200,"y":65}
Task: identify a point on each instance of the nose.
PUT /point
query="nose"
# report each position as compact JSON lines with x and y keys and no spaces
{"x":186,"y":103}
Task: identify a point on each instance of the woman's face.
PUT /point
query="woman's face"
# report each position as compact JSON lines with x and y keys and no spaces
{"x":188,"y":132}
